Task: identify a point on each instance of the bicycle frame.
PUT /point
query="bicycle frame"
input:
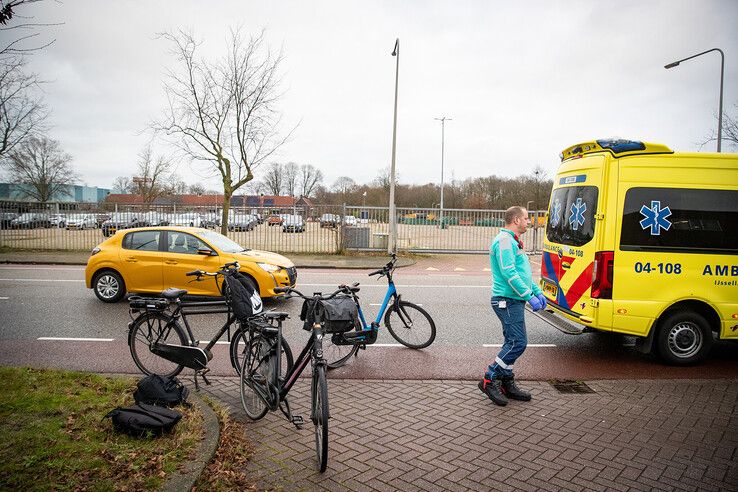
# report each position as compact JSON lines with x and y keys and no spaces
{"x":390,"y":294}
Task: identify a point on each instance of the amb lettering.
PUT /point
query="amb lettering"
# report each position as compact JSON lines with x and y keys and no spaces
{"x":722,"y":271}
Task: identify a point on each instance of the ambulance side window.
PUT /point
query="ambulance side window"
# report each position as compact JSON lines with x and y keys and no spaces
{"x":571,"y":215}
{"x":680,"y":219}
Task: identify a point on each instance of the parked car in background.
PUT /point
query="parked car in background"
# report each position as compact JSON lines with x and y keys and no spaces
{"x":101,"y":218}
{"x":6,"y":218}
{"x":81,"y":221}
{"x":242,"y":222}
{"x":30,"y":220}
{"x":155,"y":218}
{"x":58,"y":220}
{"x":275,"y":219}
{"x":350,"y":220}
{"x":293,"y":223}
{"x":148,"y":260}
{"x":329,"y":220}
{"x":121,"y":220}
{"x":211,"y":220}
{"x":189,"y":219}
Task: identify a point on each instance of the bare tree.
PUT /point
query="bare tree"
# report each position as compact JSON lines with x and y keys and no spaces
{"x":290,"y":178}
{"x":310,"y":178}
{"x":122,"y":184}
{"x":273,"y":179}
{"x":26,"y":29}
{"x":22,"y":111}
{"x":224,"y":113}
{"x":41,"y":163}
{"x":730,"y":130}
{"x":344,"y":185}
{"x":197,"y":189}
{"x":153,"y":179}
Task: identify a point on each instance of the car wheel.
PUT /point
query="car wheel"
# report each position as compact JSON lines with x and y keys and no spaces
{"x":109,"y":286}
{"x":684,"y":338}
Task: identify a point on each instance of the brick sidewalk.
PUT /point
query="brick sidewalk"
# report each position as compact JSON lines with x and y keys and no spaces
{"x":445,"y":435}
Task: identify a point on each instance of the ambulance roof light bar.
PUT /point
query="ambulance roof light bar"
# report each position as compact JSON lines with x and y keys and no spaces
{"x":615,"y":146}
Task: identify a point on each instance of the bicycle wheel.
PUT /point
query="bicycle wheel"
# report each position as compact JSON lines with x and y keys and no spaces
{"x":338,"y":355}
{"x":254,"y":377}
{"x":320,"y":416}
{"x":146,"y":330}
{"x":410,"y":325}
{"x":238,"y":349}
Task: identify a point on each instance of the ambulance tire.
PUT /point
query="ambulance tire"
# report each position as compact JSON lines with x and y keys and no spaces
{"x":684,"y":338}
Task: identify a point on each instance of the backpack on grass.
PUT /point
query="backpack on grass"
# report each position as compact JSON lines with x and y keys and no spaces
{"x":156,"y":390}
{"x":141,"y":419}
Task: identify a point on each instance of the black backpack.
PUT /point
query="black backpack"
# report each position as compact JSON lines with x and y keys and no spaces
{"x":141,"y":419}
{"x":242,"y":296}
{"x":156,"y":390}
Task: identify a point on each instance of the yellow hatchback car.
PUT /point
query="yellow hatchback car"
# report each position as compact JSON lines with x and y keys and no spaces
{"x":151,"y":259}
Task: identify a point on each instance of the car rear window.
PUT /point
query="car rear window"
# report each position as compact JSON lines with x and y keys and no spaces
{"x":571,"y":215}
{"x":142,"y":241}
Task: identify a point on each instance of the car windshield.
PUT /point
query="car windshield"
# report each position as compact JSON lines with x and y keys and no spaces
{"x":27,"y":216}
{"x":222,"y":243}
{"x":121,"y":217}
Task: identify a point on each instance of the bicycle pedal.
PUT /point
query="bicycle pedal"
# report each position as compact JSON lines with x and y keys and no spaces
{"x":298,"y":421}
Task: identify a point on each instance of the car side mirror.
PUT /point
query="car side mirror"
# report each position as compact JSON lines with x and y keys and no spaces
{"x":206,"y":252}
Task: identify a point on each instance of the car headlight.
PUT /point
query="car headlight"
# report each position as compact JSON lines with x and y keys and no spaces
{"x":269,"y":267}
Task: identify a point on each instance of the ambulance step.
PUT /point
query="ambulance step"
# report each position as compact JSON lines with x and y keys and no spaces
{"x":560,"y":323}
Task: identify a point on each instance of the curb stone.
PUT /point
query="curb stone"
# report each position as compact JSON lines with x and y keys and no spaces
{"x":184,"y":479}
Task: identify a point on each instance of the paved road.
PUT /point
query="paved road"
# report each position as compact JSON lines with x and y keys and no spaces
{"x":51,"y":302}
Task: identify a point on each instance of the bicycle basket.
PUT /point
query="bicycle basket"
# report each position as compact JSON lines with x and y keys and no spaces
{"x":242,"y":296}
{"x":338,"y":314}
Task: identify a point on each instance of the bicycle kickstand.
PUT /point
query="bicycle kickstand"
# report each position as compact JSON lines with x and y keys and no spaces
{"x":202,"y":374}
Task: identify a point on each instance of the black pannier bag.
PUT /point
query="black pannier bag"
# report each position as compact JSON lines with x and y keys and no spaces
{"x":242,"y":296}
{"x":338,"y":314}
{"x":141,"y":419}
{"x":156,"y":390}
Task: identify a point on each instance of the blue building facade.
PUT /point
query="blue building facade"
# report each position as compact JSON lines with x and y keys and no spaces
{"x":69,"y":193}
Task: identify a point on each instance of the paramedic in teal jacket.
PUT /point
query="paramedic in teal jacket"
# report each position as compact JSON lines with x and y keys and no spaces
{"x":512,"y":287}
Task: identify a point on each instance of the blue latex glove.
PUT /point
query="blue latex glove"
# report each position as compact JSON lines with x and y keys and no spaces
{"x":535,"y":303}
{"x":543,"y":300}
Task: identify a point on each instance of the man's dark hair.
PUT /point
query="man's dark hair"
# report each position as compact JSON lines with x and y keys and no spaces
{"x":513,"y":213}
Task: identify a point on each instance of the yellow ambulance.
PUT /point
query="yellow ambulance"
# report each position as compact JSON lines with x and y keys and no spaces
{"x":642,"y":240}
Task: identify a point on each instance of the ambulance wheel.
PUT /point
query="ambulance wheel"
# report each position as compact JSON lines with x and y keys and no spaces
{"x":684,"y":338}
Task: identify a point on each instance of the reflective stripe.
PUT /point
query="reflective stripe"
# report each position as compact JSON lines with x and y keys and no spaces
{"x":500,"y":363}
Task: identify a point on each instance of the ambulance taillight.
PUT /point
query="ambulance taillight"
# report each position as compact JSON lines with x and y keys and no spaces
{"x":602,"y":275}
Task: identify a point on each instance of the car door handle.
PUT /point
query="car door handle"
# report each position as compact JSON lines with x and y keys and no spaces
{"x":565,"y":265}
{"x":131,"y":259}
{"x":171,"y":262}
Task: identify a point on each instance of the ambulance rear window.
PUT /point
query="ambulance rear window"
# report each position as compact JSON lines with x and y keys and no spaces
{"x":571,"y":215}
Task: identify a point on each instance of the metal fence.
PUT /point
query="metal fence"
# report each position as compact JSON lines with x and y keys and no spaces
{"x":319,"y":229}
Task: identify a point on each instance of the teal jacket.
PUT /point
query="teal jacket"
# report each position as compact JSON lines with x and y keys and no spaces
{"x":511,"y":275}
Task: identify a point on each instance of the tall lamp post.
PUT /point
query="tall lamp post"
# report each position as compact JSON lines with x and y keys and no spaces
{"x":722,"y":70}
{"x":443,"y":121}
{"x":392,"y":244}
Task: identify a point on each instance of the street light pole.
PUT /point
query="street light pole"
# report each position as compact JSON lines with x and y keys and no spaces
{"x":392,"y":244}
{"x":443,"y":121}
{"x":722,"y":71}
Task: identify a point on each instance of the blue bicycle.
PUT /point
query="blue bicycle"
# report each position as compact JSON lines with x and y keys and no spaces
{"x":408,"y":323}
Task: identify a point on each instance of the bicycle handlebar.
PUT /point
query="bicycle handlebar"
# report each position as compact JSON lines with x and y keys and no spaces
{"x":318,"y":295}
{"x":224,"y":270}
{"x":390,"y":266}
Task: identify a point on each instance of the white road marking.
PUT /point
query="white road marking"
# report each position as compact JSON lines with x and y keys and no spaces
{"x":71,"y":339}
{"x":34,"y":268}
{"x":4,"y":298}
{"x":540,"y":345}
{"x":432,"y":269}
{"x":408,"y":286}
{"x":459,"y":269}
{"x":486,"y":270}
{"x":385,"y":345}
{"x":416,"y":303}
{"x":40,"y":280}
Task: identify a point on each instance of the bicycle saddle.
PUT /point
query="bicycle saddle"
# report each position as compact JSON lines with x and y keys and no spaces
{"x":276,"y":315}
{"x":173,"y":293}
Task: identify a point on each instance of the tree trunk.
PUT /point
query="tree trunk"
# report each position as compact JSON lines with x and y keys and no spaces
{"x":227,"y":194}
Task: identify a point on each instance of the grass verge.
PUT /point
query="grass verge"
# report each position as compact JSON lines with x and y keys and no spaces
{"x":55,"y":437}
{"x":227,"y":469}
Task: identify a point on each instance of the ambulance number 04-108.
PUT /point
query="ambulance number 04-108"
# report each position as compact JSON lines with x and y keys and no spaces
{"x":668,"y":268}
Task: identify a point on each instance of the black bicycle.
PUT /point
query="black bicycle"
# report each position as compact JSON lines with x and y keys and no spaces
{"x":263,"y":390}
{"x":159,"y":344}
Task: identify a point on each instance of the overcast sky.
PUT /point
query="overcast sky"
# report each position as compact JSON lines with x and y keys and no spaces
{"x":520,"y":80}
